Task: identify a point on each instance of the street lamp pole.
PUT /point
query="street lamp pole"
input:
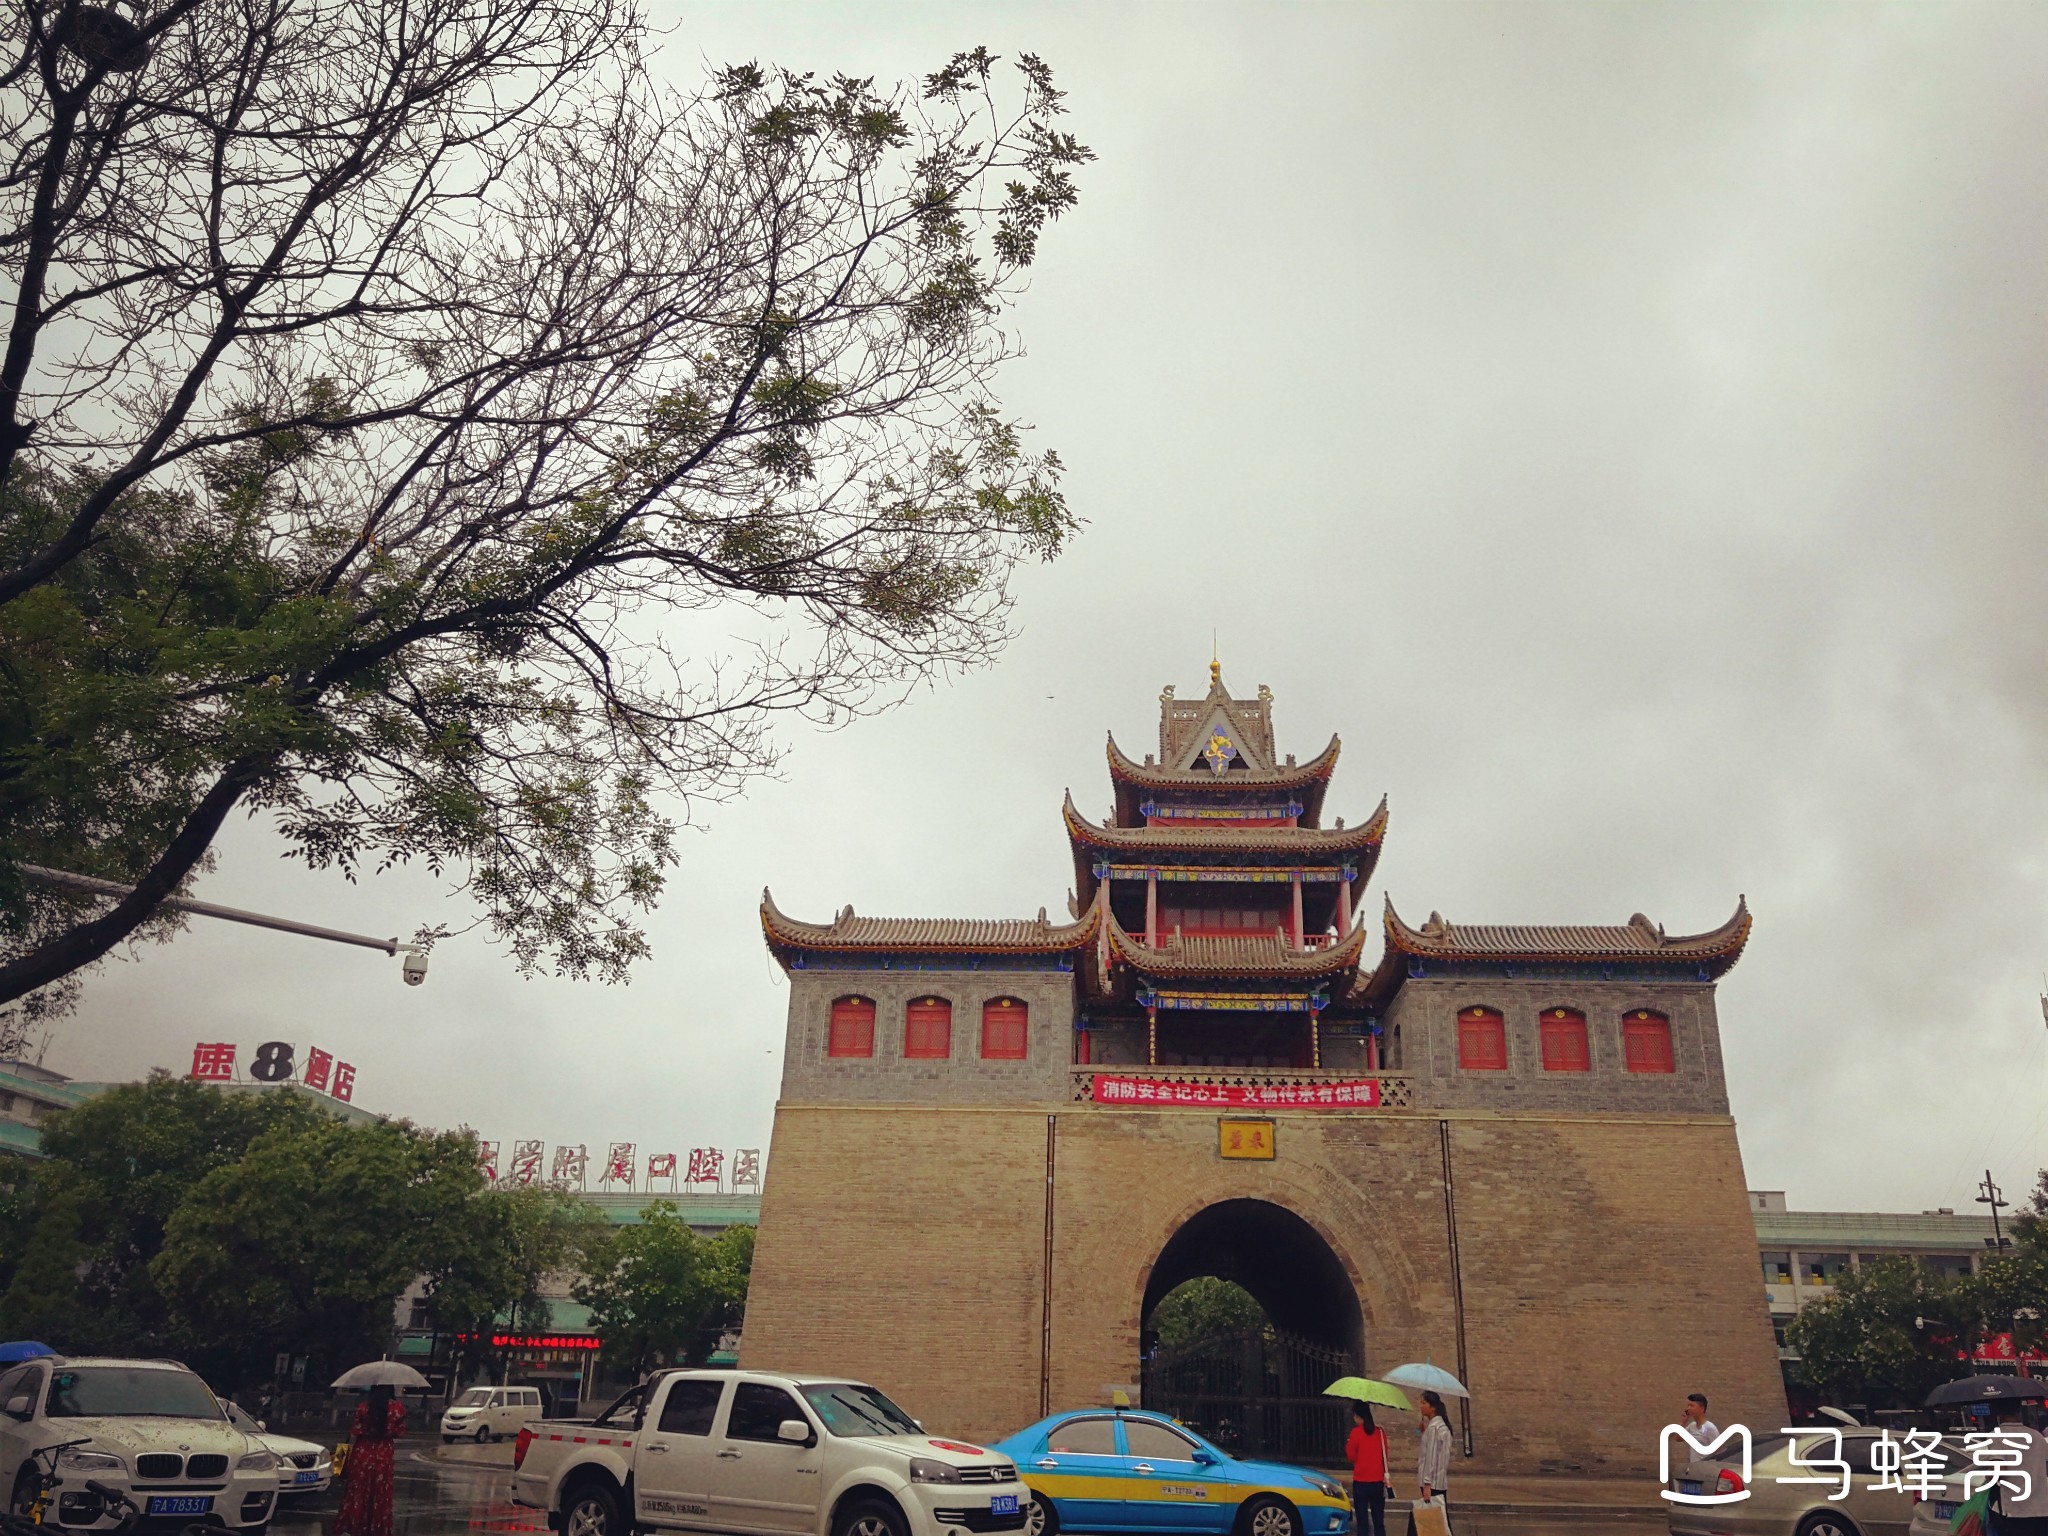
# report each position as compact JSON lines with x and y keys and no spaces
{"x":64,"y":879}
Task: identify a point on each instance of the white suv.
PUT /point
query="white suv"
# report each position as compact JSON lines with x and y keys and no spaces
{"x":488,"y":1413}
{"x":150,"y":1430}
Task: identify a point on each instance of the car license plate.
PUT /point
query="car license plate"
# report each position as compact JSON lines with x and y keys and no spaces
{"x":1689,"y":1489}
{"x":159,"y":1504}
{"x":1944,"y":1511}
{"x":307,"y":1477}
{"x":1003,"y":1504}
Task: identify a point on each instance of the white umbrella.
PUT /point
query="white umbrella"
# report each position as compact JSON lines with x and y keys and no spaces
{"x":381,"y":1373}
{"x":1425,"y":1377}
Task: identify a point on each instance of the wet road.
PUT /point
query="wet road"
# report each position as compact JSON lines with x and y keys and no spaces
{"x":432,"y":1498}
{"x":437,"y":1497}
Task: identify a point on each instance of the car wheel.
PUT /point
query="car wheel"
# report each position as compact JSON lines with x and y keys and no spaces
{"x":1040,"y":1518}
{"x":870,"y":1517}
{"x":483,"y":1434}
{"x":1825,"y":1522}
{"x":1265,"y":1516}
{"x":592,"y":1510}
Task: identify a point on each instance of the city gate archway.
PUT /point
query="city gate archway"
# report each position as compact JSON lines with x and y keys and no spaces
{"x":1257,"y":1392}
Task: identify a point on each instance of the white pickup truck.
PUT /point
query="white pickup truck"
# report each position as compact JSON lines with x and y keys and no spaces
{"x":761,"y":1452}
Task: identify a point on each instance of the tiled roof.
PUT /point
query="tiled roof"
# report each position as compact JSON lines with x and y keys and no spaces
{"x":1317,"y":768}
{"x":1312,"y":840}
{"x":1637,"y":939}
{"x":1266,"y":954}
{"x":974,"y":935}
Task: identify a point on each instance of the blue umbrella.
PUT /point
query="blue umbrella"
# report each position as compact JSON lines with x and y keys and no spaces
{"x":27,"y":1349}
{"x":1427,"y":1378}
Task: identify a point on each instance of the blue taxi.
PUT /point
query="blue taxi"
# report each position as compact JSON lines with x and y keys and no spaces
{"x":1112,"y":1470}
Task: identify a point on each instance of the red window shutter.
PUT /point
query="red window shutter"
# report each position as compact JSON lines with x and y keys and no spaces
{"x":1482,"y":1040}
{"x":1003,"y":1029}
{"x":1646,"y":1041}
{"x":1564,"y":1041}
{"x":853,"y":1027}
{"x":928,"y":1029}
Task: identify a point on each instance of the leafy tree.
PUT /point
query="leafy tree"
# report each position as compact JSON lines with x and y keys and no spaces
{"x":1206,"y":1308}
{"x":1890,"y":1332}
{"x":487,"y":1266}
{"x":82,"y":1228}
{"x":425,"y":427}
{"x":660,"y":1294}
{"x":305,"y":1244}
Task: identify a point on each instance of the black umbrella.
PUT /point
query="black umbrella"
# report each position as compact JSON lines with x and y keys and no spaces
{"x":1987,"y":1389}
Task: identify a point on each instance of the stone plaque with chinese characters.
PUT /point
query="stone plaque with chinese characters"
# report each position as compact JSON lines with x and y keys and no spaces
{"x":1245,"y":1138}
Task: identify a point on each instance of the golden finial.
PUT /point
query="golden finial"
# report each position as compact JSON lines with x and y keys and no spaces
{"x":1215,"y":666}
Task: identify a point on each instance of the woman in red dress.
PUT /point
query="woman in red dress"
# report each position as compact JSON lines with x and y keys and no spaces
{"x":366,"y":1481}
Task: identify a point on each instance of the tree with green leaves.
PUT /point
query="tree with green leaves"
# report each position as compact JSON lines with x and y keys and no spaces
{"x":486,"y":1269}
{"x":1206,"y":1308}
{"x":1889,"y":1333}
{"x":176,"y":1218}
{"x":430,"y":429}
{"x":81,"y":1229}
{"x":661,"y":1295}
{"x":305,"y":1243}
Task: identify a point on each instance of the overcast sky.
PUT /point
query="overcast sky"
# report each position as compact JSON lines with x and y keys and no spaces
{"x":1624,"y":424}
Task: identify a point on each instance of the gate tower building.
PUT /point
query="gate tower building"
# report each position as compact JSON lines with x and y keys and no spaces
{"x":999,"y":1144}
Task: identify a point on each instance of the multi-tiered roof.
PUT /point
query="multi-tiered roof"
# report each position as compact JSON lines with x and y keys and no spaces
{"x":1222,"y":892}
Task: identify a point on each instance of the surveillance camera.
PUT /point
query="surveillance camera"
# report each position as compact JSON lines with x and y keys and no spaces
{"x":415,"y":968}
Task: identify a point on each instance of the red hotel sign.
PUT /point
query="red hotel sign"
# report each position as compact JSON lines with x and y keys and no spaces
{"x":1109,"y":1089}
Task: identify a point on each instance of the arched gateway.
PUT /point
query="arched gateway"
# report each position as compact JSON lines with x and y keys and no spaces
{"x":1507,"y":1149}
{"x":1257,"y":1390}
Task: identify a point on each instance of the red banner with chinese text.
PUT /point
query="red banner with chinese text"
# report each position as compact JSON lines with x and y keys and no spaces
{"x":1111,"y":1089}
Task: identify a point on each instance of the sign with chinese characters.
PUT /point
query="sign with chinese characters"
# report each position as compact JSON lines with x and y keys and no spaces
{"x":276,"y":1061}
{"x":1111,"y":1089}
{"x":700,"y":1171}
{"x":1245,"y":1138}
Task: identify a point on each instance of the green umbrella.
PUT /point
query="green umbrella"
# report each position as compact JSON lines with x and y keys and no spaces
{"x":1365,"y":1391}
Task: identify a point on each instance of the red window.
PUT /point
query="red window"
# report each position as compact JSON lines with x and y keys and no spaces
{"x":853,"y":1027}
{"x":928,"y":1029}
{"x":1002,"y":1029}
{"x":1482,"y":1040}
{"x":1564,"y":1041}
{"x":1646,"y":1041}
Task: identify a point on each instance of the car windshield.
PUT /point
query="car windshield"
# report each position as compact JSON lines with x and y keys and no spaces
{"x":129,"y":1391}
{"x":475,"y":1397}
{"x":852,"y":1410}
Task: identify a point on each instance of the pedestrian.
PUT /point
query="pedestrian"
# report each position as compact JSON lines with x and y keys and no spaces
{"x":366,"y":1486}
{"x":1366,"y":1450}
{"x":1693,"y":1416}
{"x":2012,"y":1515}
{"x":1433,"y":1459}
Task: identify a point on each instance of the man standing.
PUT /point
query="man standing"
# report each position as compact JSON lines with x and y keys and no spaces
{"x":1693,"y":1416}
{"x":1433,"y":1460}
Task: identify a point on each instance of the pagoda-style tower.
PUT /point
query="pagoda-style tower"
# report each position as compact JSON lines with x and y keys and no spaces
{"x":1000,"y":1144}
{"x":1230,"y":936}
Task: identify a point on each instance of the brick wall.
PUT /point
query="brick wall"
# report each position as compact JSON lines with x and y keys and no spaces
{"x":1425,"y":1014}
{"x":1608,"y":1261}
{"x":809,"y":1075}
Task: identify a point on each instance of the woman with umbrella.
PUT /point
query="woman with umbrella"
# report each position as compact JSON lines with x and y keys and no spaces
{"x":366,"y":1491}
{"x":1366,"y":1450}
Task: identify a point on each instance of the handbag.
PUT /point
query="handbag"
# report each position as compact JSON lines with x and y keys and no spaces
{"x":1429,"y":1517}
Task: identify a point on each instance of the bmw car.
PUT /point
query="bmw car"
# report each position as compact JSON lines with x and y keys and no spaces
{"x":1123,"y":1470}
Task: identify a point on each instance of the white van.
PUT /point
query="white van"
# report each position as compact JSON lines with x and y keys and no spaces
{"x":490,"y":1413}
